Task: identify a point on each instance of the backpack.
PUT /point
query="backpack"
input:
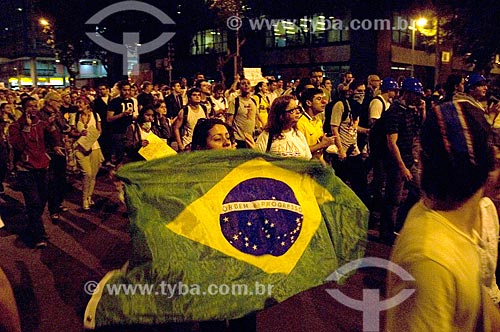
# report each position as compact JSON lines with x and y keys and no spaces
{"x":382,"y":101}
{"x":186,"y":112}
{"x":327,"y":128}
{"x":237,"y":105}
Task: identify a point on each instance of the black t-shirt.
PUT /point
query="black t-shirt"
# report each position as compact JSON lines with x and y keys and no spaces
{"x":102,"y":109}
{"x":118,"y":106}
{"x":398,"y":119}
{"x":145,"y":99}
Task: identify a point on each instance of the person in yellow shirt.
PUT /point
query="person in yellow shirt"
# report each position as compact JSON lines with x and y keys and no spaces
{"x":311,"y":125}
{"x":263,"y":104}
{"x":438,"y":245}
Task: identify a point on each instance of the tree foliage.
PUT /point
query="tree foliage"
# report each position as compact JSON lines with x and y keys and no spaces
{"x":474,"y":28}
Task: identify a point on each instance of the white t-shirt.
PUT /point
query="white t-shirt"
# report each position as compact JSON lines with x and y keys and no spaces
{"x":80,"y":126}
{"x":192,"y":118}
{"x":376,"y":107}
{"x":488,"y":247}
{"x":292,"y":144}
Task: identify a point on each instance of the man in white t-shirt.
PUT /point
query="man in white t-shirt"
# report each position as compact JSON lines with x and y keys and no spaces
{"x":382,"y":102}
{"x":242,"y":114}
{"x":187,"y":119}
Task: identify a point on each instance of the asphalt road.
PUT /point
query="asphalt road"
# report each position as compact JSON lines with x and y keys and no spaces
{"x":49,"y":283}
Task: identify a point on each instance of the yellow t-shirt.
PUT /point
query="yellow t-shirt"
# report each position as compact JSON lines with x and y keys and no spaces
{"x":263,"y":107}
{"x":446,"y":266}
{"x":313,"y":131}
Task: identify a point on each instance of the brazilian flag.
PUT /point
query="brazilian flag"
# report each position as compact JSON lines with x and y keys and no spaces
{"x":220,"y":234}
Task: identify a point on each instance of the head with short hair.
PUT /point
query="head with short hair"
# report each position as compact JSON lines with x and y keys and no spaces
{"x":373,"y":81}
{"x":29,"y":102}
{"x":308,"y":95}
{"x":454,"y":82}
{"x":125,"y":89}
{"x":147,"y":86}
{"x":316,"y":76}
{"x":456,"y":157}
{"x":176,"y":86}
{"x":204,"y":86}
{"x":194,"y":96}
{"x":245,"y":86}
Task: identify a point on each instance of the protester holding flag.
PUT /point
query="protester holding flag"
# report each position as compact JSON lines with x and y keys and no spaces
{"x":281,"y":136}
{"x":212,"y":134}
{"x":235,"y":220}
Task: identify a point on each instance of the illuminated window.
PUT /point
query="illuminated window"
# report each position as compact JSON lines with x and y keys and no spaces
{"x":402,"y":37}
{"x":209,"y":42}
{"x":314,"y":30}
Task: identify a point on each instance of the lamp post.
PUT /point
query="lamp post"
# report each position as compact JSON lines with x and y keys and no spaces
{"x":420,"y":22}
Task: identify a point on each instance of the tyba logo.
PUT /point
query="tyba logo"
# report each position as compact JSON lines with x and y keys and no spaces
{"x":130,"y":48}
{"x":370,"y":305}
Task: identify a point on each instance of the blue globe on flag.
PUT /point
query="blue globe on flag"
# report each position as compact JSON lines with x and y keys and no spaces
{"x":259,"y":221}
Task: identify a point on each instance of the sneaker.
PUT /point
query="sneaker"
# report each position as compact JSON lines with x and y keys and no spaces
{"x":41,"y":244}
{"x":62,"y":208}
{"x":86,"y":205}
{"x":91,"y":202}
{"x":55,"y":217}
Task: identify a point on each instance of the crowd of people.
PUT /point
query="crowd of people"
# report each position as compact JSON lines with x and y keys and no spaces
{"x":367,"y":130}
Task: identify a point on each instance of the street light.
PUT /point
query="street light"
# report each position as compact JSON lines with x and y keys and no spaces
{"x":420,"y":22}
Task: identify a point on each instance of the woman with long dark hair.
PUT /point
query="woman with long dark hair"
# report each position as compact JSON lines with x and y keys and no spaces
{"x":212,"y":134}
{"x":281,"y":136}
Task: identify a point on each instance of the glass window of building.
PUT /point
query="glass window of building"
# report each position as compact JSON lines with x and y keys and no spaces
{"x":208,"y":42}
{"x":403,"y":37}
{"x":317,"y":29}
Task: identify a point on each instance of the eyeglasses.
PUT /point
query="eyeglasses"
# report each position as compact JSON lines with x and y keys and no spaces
{"x":297,"y":109}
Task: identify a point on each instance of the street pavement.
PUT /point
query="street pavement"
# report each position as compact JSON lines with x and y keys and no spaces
{"x":49,"y":283}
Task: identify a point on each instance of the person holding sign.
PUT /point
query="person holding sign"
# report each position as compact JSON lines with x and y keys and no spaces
{"x":143,"y":139}
{"x":87,"y":126}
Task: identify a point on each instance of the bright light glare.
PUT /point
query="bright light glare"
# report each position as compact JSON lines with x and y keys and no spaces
{"x":421,"y":21}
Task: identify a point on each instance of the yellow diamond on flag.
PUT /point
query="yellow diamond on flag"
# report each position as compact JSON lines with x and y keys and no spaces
{"x":258,"y":213}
